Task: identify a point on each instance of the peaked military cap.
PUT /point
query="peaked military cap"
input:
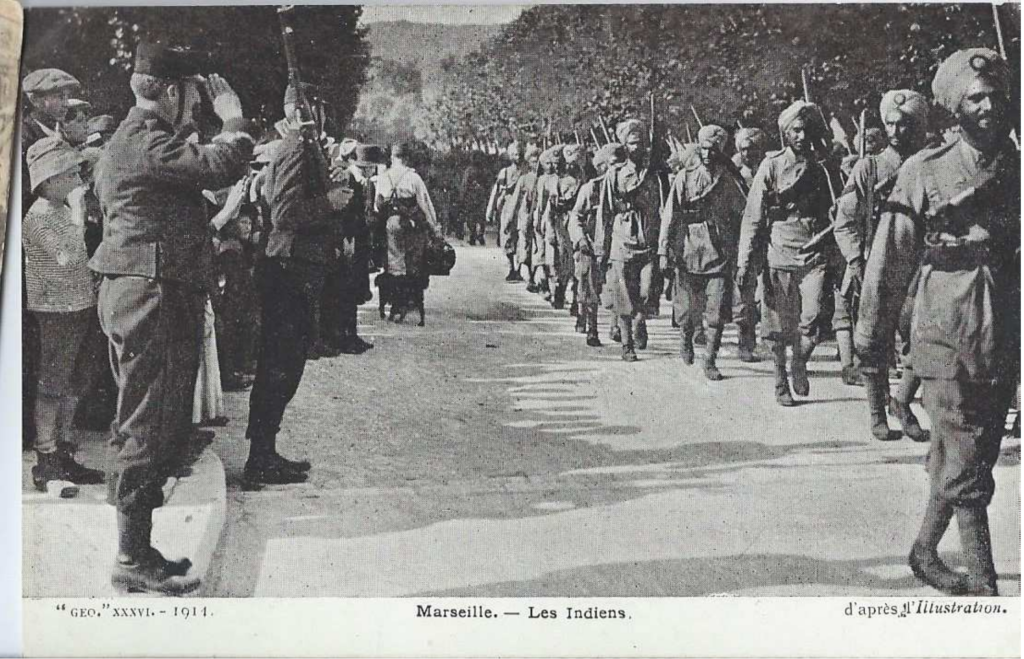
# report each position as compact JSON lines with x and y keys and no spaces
{"x":167,"y":63}
{"x":46,"y":81}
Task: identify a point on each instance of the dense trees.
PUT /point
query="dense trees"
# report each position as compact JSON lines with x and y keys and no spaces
{"x":96,"y":46}
{"x":563,"y":66}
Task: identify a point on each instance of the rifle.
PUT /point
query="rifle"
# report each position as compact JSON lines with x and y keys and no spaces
{"x":604,"y":127}
{"x":700,"y":124}
{"x":310,"y":130}
{"x":655,"y":152}
{"x":593,"y":134}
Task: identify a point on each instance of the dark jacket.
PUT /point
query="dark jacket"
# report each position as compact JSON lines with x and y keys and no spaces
{"x":149,"y":182}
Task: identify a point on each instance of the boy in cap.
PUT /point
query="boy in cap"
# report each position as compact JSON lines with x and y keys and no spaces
{"x":48,"y":92}
{"x":952,"y":225}
{"x":60,"y":296}
{"x":905,"y":115}
{"x":788,"y":204}
{"x":699,"y":232}
{"x":156,"y":259}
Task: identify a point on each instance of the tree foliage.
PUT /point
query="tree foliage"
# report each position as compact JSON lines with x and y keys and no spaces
{"x":96,"y":45}
{"x":559,"y":68}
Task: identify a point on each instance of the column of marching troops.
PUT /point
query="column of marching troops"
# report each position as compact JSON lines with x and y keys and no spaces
{"x":921,"y":240}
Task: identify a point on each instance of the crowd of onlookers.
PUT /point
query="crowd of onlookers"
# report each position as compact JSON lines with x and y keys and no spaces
{"x":66,"y":374}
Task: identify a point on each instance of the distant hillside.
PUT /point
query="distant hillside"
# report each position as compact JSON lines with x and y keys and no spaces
{"x":426,"y":44}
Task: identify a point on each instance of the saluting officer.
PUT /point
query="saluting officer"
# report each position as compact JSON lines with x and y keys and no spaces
{"x":156,"y":259}
{"x":953,"y":224}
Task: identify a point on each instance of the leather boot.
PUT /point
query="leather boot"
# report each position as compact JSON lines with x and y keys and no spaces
{"x":48,"y":469}
{"x":628,"y":350}
{"x":686,"y":343}
{"x":139,"y":567}
{"x":851,"y":374}
{"x":782,"y":395}
{"x":615,"y":331}
{"x":558,"y":296}
{"x":593,"y":339}
{"x":574,"y":309}
{"x":924,"y":556}
{"x":899,"y":406}
{"x":801,"y":355}
{"x":581,"y":323}
{"x":747,"y":344}
{"x":700,"y":337}
{"x":711,"y":371}
{"x":265,"y":466}
{"x":875,"y":386}
{"x":976,"y":542}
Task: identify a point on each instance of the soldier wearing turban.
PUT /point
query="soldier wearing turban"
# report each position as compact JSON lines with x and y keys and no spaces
{"x":582,"y":221}
{"x":515,"y":216}
{"x":788,"y":204}
{"x":552,"y":161}
{"x":501,"y":193}
{"x":952,"y":226}
{"x":905,"y":115}
{"x":626,"y":237}
{"x":557,"y":197}
{"x":750,"y":148}
{"x":699,"y":232}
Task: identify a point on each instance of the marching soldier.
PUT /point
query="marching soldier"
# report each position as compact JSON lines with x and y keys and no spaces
{"x":517,"y":209}
{"x":750,"y":151}
{"x":500,"y":196}
{"x":552,"y":163}
{"x":558,"y":201}
{"x":156,"y":259}
{"x":699,"y":233}
{"x":788,"y":204}
{"x":582,"y":226}
{"x":952,"y":225}
{"x":905,"y":115}
{"x":626,"y":236}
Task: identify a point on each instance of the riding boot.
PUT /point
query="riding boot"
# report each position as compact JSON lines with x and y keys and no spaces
{"x":802,"y":355}
{"x":782,"y":395}
{"x":899,"y":405}
{"x":141,"y":568}
{"x":875,"y":386}
{"x":924,"y":557}
{"x":711,"y":371}
{"x":628,"y":349}
{"x":976,"y":542}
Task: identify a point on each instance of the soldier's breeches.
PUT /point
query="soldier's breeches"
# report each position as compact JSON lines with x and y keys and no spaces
{"x":746,"y":304}
{"x":288,"y":292}
{"x":709,"y":296}
{"x":967,"y":428}
{"x":155,"y":331}
{"x":842,"y":314}
{"x":629,"y":285}
{"x":792,"y":302}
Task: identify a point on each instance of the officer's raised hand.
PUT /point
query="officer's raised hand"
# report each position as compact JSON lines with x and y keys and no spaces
{"x":226,"y":103}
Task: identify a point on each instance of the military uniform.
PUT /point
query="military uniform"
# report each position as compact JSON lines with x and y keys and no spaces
{"x":788,"y":204}
{"x":520,"y":213}
{"x":554,"y":217}
{"x":501,"y":194}
{"x":952,"y":225}
{"x":700,"y":225}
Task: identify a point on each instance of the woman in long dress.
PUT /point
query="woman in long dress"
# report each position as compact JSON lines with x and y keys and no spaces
{"x":411,"y":223}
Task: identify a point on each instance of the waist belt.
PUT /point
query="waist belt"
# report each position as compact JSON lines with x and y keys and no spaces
{"x":957,"y":254}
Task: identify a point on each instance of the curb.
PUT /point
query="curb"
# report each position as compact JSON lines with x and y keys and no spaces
{"x":68,"y":545}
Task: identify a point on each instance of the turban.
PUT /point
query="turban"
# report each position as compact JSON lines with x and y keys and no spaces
{"x":713,"y":135}
{"x":607,"y":154}
{"x":799,"y":110}
{"x":571,"y":153}
{"x":910,"y":103}
{"x":627,"y":128}
{"x":744,"y":135}
{"x":532,"y":151}
{"x":961,"y":69}
{"x":552,"y":155}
